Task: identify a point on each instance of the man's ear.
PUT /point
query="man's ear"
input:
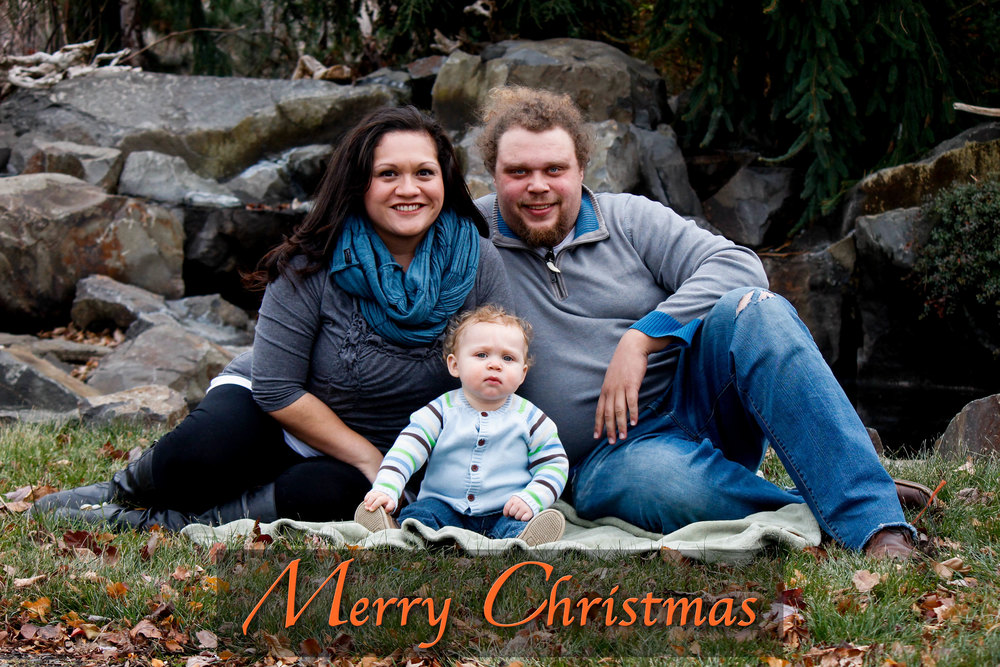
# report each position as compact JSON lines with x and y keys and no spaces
{"x":452,"y":365}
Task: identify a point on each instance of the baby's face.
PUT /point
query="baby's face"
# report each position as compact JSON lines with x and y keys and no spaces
{"x":489,"y":359}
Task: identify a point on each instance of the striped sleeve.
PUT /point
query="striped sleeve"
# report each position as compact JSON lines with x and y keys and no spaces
{"x":411,"y":449}
{"x":547,"y":461}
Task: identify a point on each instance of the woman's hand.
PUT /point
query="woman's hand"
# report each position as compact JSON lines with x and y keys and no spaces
{"x":314,"y":423}
{"x":517,"y":509}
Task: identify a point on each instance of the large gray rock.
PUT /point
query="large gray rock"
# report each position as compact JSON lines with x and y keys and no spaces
{"x":479,"y":180}
{"x":101,"y":300}
{"x":220,"y":126}
{"x":168,"y":179}
{"x":94,"y":164}
{"x":59,"y":351}
{"x":56,"y":229}
{"x":742,"y":209}
{"x":149,"y":404}
{"x":213,"y":318}
{"x":222,"y":242}
{"x":663,"y":171}
{"x":266,"y":182}
{"x":974,"y":430}
{"x":909,"y":185}
{"x":166,"y":355}
{"x":604,"y":81}
{"x":815,"y":283}
{"x":28,"y":383}
{"x":895,"y":235}
{"x":614,"y":164}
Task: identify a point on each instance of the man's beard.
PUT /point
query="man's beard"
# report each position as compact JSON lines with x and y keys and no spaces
{"x":547,"y":237}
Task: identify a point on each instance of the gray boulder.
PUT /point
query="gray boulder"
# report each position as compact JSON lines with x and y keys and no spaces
{"x":56,"y":229}
{"x":149,"y":404}
{"x":815,"y":283}
{"x":908,"y":185}
{"x":663,"y":171}
{"x":604,"y":81}
{"x":479,"y":180}
{"x":614,"y":164}
{"x":305,"y":165}
{"x":32,"y":385}
{"x":167,"y":178}
{"x":213,"y":318}
{"x":94,"y":164}
{"x":100,"y":300}
{"x":58,"y":351}
{"x":167,"y":355}
{"x":742,"y":209}
{"x":219,"y":126}
{"x":974,"y":430}
{"x":266,"y":182}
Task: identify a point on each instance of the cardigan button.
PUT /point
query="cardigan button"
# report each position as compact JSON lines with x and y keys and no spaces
{"x":484,"y":414}
{"x":482,"y":441}
{"x":471,"y":497}
{"x":475,"y":467}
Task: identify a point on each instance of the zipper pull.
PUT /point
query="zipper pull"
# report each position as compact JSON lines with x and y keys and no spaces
{"x":550,"y":262}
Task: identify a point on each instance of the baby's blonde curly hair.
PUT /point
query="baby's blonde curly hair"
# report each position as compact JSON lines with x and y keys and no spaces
{"x":488,"y":313}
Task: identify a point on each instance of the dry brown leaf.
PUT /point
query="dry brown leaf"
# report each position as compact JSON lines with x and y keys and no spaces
{"x":39,"y":608}
{"x":207,"y":639}
{"x":145,"y":628}
{"x":943,"y":570}
{"x":772,"y":661}
{"x":116,"y":590}
{"x":864,"y":580}
{"x":28,"y":581}
{"x":967,"y":467}
{"x":216,"y":552}
{"x":201,"y":661}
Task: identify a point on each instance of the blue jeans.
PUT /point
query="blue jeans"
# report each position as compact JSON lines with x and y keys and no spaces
{"x":751,"y":376}
{"x":437,"y":514}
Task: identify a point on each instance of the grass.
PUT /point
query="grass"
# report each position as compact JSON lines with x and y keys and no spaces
{"x":157,"y":598}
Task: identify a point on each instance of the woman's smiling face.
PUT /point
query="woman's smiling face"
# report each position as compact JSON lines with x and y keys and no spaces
{"x":406,"y":192}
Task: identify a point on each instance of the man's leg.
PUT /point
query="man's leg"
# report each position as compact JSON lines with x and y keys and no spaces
{"x":660,"y":478}
{"x":753,"y":372}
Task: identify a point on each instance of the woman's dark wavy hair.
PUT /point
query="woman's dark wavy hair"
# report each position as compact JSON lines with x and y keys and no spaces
{"x":341,"y":192}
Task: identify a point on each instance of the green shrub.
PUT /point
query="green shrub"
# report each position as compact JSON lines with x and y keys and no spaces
{"x":958,"y":268}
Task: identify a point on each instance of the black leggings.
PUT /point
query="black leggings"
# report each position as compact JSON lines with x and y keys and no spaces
{"x":228,"y":445}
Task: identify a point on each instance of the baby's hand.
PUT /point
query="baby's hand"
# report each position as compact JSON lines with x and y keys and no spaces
{"x":375,"y":499}
{"x":517,"y":509}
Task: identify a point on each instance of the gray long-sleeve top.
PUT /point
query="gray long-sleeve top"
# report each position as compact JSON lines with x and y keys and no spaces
{"x":632,"y":263}
{"x":311,"y":337}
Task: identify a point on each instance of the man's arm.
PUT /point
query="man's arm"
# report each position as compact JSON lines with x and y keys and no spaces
{"x":696,"y":268}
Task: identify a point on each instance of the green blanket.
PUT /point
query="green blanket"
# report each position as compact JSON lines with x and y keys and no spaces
{"x":792,"y":526}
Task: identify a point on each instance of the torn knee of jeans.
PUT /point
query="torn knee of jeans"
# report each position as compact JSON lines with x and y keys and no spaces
{"x":746,"y":298}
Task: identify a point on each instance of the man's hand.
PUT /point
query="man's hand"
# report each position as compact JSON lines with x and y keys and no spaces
{"x":517,"y":509}
{"x":618,"y":406}
{"x":376,"y":499}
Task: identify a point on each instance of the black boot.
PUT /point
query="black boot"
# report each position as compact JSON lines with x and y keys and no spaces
{"x":256,"y":504}
{"x":131,"y":486}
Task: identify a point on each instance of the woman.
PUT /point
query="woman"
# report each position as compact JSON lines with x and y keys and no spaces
{"x":348,"y":344}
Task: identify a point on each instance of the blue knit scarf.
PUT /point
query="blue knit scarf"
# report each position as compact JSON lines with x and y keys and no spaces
{"x":410,"y":308}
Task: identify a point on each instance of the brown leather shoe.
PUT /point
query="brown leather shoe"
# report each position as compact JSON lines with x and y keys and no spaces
{"x":890,"y":543}
{"x":912,"y":495}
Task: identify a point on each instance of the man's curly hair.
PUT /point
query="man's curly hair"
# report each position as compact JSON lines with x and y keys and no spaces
{"x":535,"y":110}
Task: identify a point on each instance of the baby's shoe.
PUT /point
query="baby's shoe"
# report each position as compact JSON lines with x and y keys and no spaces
{"x":546,"y":526}
{"x":375,"y":520}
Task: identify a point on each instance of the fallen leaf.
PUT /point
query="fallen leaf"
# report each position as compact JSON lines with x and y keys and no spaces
{"x":215,"y":585}
{"x":18,"y":494}
{"x":39,"y":608}
{"x":967,"y":467}
{"x":200,"y":661}
{"x":116,"y":590}
{"x":772,"y":661}
{"x":864,"y":580}
{"x":181,"y":573}
{"x":216,"y":552}
{"x":172,"y":646}
{"x":147,"y":551}
{"x":28,"y":581}
{"x":145,"y":628}
{"x":207,"y":639}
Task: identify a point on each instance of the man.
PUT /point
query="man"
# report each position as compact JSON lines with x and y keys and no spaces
{"x":662,"y":357}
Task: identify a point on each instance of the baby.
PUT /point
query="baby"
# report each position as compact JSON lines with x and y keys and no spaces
{"x":494,"y":460}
